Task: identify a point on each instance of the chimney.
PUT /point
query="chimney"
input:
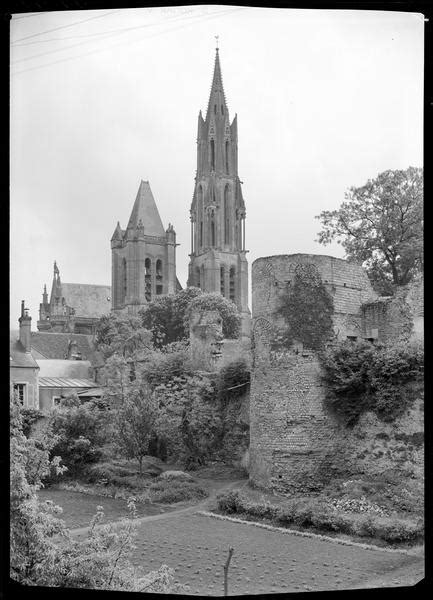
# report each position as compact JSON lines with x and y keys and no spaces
{"x":25,"y":322}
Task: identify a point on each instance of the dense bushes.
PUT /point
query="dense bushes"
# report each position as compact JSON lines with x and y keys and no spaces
{"x":360,"y":377}
{"x":233,"y":379}
{"x":29,"y":417}
{"x":171,"y":490}
{"x":319,"y":514}
{"x":79,"y":432}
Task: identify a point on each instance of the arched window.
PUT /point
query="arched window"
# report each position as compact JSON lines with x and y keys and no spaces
{"x":200,"y":215}
{"x":148,"y":279}
{"x":232,"y":286}
{"x":159,"y":284}
{"x":212,"y":155}
{"x":197,"y":277}
{"x":227,"y":157}
{"x":222,"y":109}
{"x":222,"y":281}
{"x":202,"y":281}
{"x":226,"y":216}
{"x":212,"y":232}
{"x":125,"y":281}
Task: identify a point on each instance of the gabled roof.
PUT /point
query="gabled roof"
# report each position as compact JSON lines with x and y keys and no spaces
{"x":146,"y":211}
{"x":88,"y":300}
{"x":47,"y":345}
{"x":18,"y":356}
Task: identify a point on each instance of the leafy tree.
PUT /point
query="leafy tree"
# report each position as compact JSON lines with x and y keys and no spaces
{"x":165,"y":317}
{"x":135,"y":420}
{"x":99,"y":561}
{"x":381,"y":226}
{"x":226,"y":308}
{"x":123,"y":335}
{"x":307,"y":308}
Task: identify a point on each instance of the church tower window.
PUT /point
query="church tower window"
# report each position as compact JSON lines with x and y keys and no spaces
{"x":212,"y":155}
{"x":227,"y":157}
{"x":226,"y":216}
{"x":158,"y":288}
{"x":125,"y":280}
{"x":212,"y":232}
{"x":147,"y":280}
{"x":232,"y":287}
{"x":197,"y":277}
{"x":222,"y":109}
{"x":214,"y":108}
{"x":200,"y":215}
{"x":222,"y":281}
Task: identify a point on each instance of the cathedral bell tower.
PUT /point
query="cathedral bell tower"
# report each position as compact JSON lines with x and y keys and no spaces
{"x":218,"y":255}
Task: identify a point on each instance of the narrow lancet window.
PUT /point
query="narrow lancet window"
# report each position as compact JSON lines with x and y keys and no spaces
{"x":232,"y":284}
{"x":147,"y":280}
{"x":227,"y":157}
{"x":212,"y":155}
{"x":125,"y":280}
{"x":222,"y":281}
{"x":226,"y":216}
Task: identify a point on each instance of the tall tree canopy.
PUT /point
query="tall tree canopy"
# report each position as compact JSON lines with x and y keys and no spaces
{"x":122,"y":334}
{"x":381,"y":226}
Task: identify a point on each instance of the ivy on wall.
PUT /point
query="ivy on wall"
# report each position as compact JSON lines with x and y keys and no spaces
{"x":361,"y":377}
{"x":307,"y":308}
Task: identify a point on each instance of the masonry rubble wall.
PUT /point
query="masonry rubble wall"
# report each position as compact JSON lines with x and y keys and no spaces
{"x":295,"y":446}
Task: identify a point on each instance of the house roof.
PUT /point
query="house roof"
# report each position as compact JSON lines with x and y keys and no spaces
{"x":146,"y":211}
{"x":72,"y":369}
{"x":47,"y":345}
{"x":65,"y":382}
{"x":18,"y":356}
{"x":88,"y":300}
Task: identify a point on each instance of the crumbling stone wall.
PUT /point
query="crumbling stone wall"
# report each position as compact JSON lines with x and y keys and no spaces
{"x":347,"y":283}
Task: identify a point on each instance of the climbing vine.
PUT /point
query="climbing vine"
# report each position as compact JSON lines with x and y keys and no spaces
{"x":307,"y":308}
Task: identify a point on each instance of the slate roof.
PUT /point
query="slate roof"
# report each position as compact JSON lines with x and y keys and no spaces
{"x":92,"y":301}
{"x":18,"y":356}
{"x":65,"y":382}
{"x":145,"y":209}
{"x":55,"y":346}
{"x":72,"y":369}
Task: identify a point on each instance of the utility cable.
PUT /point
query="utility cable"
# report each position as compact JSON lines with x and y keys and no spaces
{"x":106,"y":36}
{"x":133,"y":41}
{"x":66,"y":26}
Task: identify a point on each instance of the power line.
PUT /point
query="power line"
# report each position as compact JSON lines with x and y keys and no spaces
{"x":108,"y":34}
{"x":27,"y":16}
{"x":96,"y":33}
{"x":128,"y":41}
{"x":66,"y":26}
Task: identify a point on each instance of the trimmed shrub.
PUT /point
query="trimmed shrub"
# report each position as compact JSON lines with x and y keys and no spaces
{"x":229,"y":502}
{"x":169,"y":491}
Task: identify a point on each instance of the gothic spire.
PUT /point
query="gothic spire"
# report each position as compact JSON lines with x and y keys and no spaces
{"x":217,"y":97}
{"x":145,"y":209}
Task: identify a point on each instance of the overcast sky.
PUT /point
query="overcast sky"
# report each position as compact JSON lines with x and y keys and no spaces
{"x":325,"y":100}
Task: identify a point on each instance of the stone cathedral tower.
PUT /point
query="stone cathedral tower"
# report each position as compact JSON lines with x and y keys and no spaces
{"x":143,"y":256}
{"x":218,"y":256}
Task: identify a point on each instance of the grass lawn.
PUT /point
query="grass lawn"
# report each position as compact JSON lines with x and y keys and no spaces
{"x":79,"y":508}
